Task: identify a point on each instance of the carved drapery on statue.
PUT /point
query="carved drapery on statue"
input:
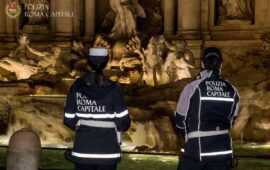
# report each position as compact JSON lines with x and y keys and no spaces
{"x":125,"y":22}
{"x":235,"y":10}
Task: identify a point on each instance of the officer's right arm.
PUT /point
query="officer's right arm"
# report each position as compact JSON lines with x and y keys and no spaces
{"x":182,"y":109}
{"x":70,"y":118}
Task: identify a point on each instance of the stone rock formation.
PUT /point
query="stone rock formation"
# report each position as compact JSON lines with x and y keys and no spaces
{"x":44,"y":115}
{"x":5,"y":110}
{"x":249,"y":71}
{"x":253,"y":122}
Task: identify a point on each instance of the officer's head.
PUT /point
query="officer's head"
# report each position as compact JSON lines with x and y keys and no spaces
{"x":211,"y":58}
{"x":98,"y":58}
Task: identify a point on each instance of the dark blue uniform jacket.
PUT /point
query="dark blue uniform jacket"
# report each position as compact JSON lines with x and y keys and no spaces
{"x":208,"y":106}
{"x":96,"y":145}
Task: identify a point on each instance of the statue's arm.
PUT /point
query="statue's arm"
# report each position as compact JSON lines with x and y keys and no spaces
{"x":169,"y":45}
{"x":36,"y":52}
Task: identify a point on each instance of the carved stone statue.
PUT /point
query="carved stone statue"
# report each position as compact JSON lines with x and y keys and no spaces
{"x":76,"y":60}
{"x":235,"y":10}
{"x":151,"y":57}
{"x":157,"y":70}
{"x":37,"y":11}
{"x":22,"y":71}
{"x":179,"y":60}
{"x":19,"y":62}
{"x":20,"y":53}
{"x":119,"y":56}
{"x":160,"y":63}
{"x":23,"y":66}
{"x":125,"y":21}
{"x":47,"y":60}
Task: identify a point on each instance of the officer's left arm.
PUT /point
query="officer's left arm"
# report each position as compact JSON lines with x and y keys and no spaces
{"x":70,"y":118}
{"x":235,"y":108}
{"x":122,"y":117}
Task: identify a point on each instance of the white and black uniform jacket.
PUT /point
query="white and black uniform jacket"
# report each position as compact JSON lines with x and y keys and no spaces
{"x":96,"y":113}
{"x":206,"y":111}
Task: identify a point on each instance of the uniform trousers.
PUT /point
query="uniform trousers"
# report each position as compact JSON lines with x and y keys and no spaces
{"x":95,"y":167}
{"x":187,"y":163}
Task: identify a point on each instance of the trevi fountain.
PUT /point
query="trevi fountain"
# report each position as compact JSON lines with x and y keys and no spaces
{"x":155,"y":48}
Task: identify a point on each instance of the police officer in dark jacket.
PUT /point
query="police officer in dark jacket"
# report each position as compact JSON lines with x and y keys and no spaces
{"x":206,"y":111}
{"x":96,"y":110}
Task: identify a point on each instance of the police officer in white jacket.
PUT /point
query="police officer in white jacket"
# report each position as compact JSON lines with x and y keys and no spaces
{"x":206,"y":110}
{"x":96,"y":110}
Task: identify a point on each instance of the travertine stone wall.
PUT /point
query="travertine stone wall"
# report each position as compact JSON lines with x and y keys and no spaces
{"x":89,"y":17}
{"x":64,"y":26}
{"x":169,"y":20}
{"x":189,"y":16}
{"x":2,"y":17}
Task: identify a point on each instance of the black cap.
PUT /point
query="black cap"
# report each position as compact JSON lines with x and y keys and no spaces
{"x":213,"y":52}
{"x":212,"y":58}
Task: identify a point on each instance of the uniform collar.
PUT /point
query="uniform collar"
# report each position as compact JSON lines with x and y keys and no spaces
{"x":209,"y":73}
